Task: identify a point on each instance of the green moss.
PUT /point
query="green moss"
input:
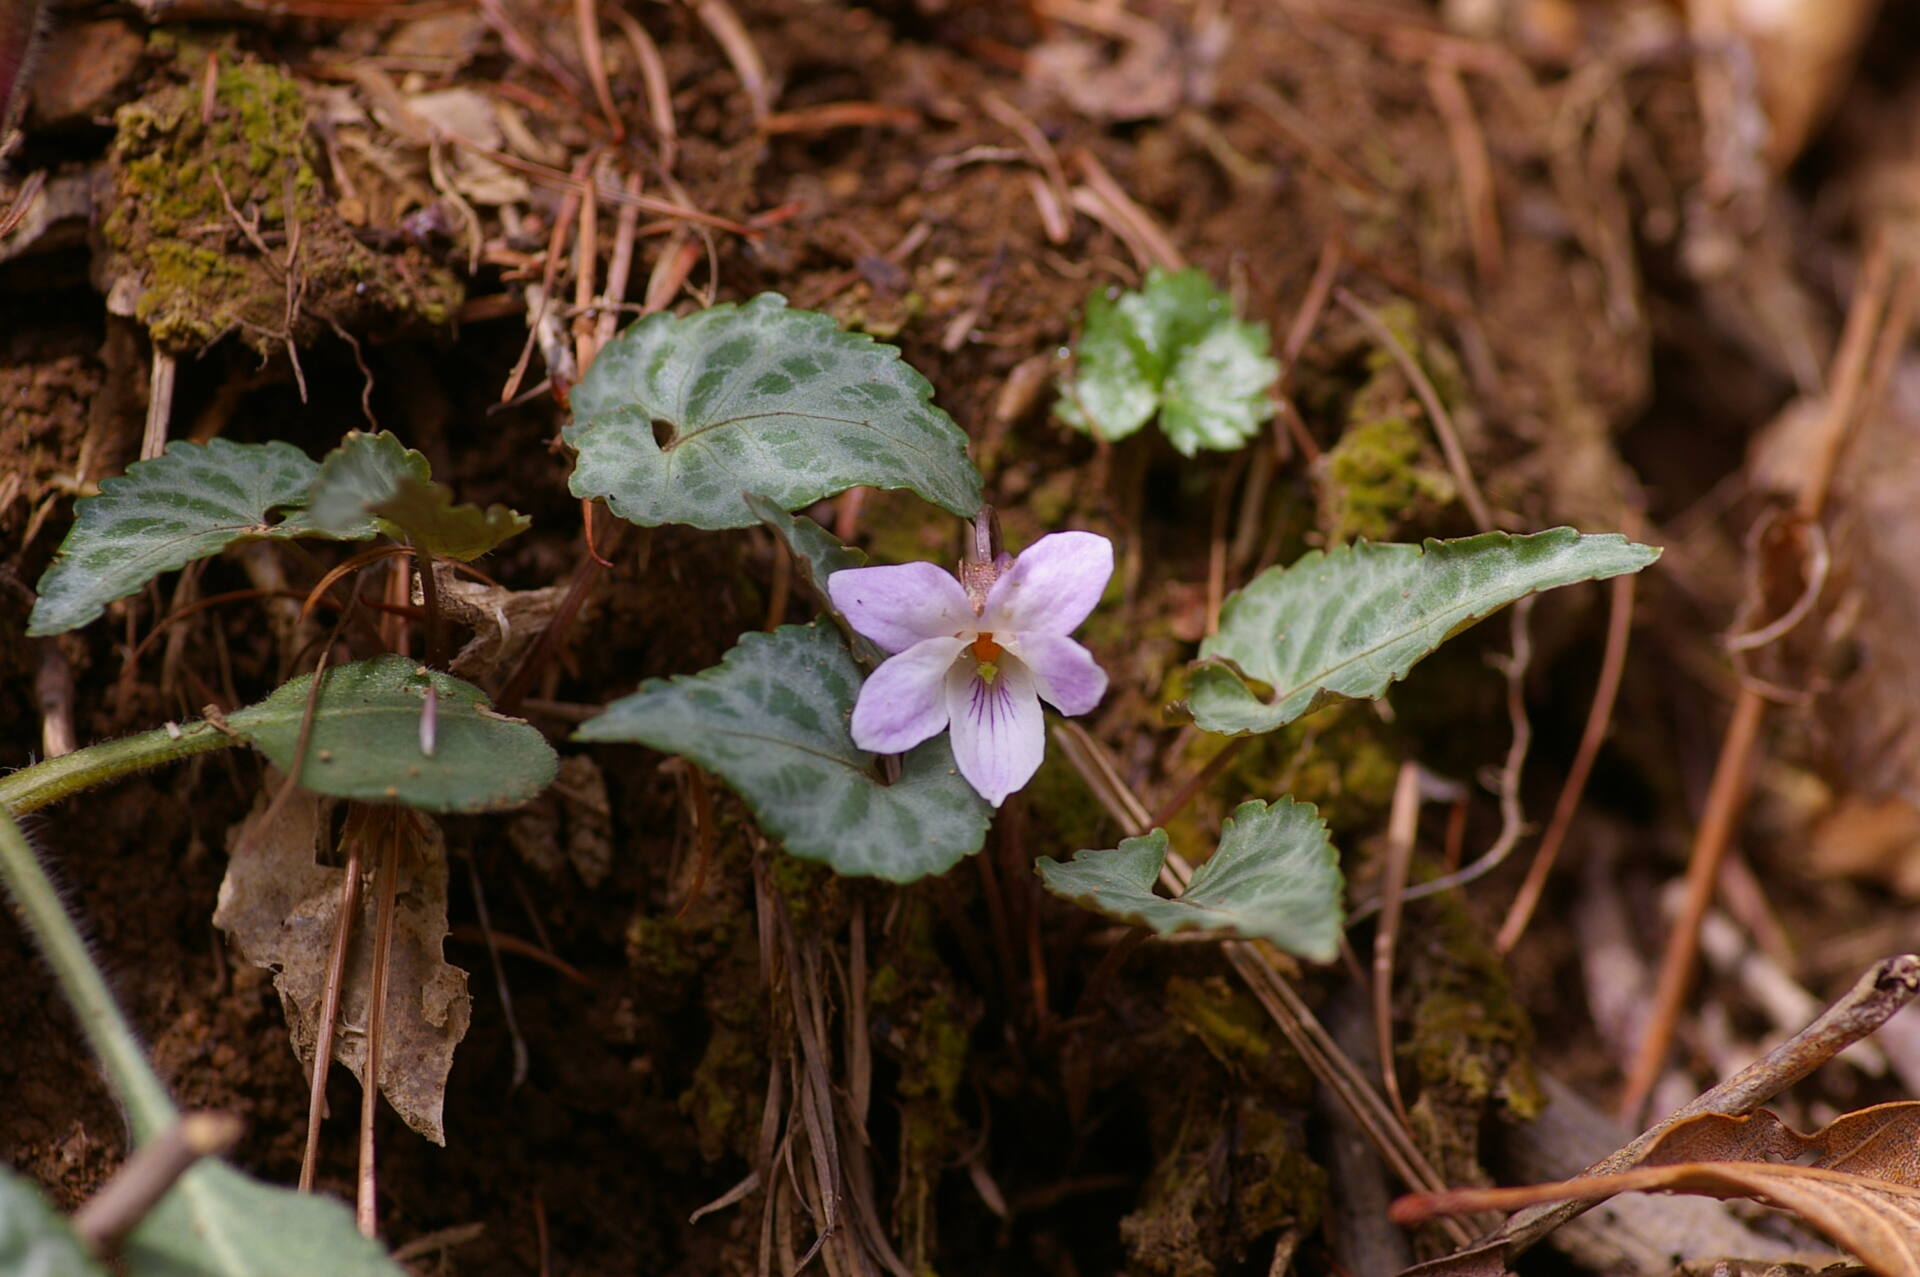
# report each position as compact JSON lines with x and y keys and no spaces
{"x":811,"y":890}
{"x":924,"y":1024}
{"x":195,"y":188}
{"x":1236,"y":1031}
{"x":1343,"y":759}
{"x":1385,"y":474}
{"x":1467,"y":1038}
{"x":1382,"y":475}
{"x":1235,"y":1175}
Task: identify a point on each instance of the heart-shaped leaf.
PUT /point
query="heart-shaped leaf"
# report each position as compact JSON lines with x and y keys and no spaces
{"x":191,"y":502}
{"x":819,"y":554}
{"x":1275,"y":876}
{"x":1173,"y":346}
{"x":425,"y":514}
{"x":1347,"y":623}
{"x":218,"y":1223}
{"x":373,"y":484}
{"x":368,"y":736}
{"x":772,"y":719}
{"x":678,"y":418}
{"x":365,"y":470}
{"x":35,"y":1240}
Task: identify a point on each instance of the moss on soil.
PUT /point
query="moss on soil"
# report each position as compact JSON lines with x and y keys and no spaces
{"x":186,"y":182}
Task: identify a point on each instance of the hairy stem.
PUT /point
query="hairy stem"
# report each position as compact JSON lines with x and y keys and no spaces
{"x":32,"y":788}
{"x":149,"y":1112}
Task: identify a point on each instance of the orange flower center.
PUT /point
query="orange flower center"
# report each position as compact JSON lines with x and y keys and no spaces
{"x":985,"y":650}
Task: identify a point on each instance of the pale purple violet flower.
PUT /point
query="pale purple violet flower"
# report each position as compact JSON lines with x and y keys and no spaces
{"x":981,"y":659}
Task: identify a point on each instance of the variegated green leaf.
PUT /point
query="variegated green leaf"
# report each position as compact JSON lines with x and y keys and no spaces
{"x":1348,"y":623}
{"x":771,"y":719}
{"x":191,"y":502}
{"x":368,"y":740}
{"x":1172,"y":347}
{"x":1275,"y":876}
{"x":819,"y":554}
{"x":372,"y":483}
{"x":679,"y":418}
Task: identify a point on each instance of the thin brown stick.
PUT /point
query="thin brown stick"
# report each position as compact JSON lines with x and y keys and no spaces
{"x":349,"y":910}
{"x":137,"y":1187}
{"x":1884,"y":989}
{"x":1469,"y":145}
{"x":1437,"y":414}
{"x":1849,"y":375}
{"x":1403,"y":820}
{"x":1599,"y":715}
{"x":653,"y":80}
{"x":366,"y":1196}
{"x":1326,"y":269}
{"x":1260,"y":965}
{"x":153,"y":441}
{"x":586,"y":16}
{"x":1717,"y":823}
{"x":731,"y":34}
{"x":1198,"y":781}
{"x":626,"y":225}
{"x":1157,"y":246}
{"x":586,"y":269}
{"x":1729,"y":788}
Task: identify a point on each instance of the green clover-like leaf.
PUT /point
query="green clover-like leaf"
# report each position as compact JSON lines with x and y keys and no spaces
{"x":1174,"y":347}
{"x":771,"y":719}
{"x":1347,"y":623}
{"x":366,"y":741}
{"x":678,"y":418}
{"x":373,"y":483}
{"x":1275,"y":876}
{"x":191,"y":502}
{"x":819,"y":554}
{"x":33,"y":1239}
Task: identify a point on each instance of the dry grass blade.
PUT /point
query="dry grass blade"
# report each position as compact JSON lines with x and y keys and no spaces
{"x":1612,"y":664}
{"x":1882,"y":991}
{"x":1858,"y":1180}
{"x":1865,"y":319}
{"x":731,"y":34}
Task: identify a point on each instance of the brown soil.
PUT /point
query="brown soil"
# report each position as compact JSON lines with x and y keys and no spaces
{"x":1154,"y":1124}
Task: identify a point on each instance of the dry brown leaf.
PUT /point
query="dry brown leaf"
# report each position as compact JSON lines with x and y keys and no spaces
{"x":1857,"y":1180}
{"x":576,"y":801}
{"x":504,"y":622}
{"x":278,"y":905}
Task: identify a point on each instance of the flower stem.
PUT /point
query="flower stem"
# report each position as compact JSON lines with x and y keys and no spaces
{"x":32,"y":788}
{"x":149,"y":1112}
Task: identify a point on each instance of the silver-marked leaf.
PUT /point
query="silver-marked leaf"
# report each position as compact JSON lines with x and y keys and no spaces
{"x":191,"y":502}
{"x":819,"y":554}
{"x":1215,"y":395}
{"x":678,"y":418}
{"x":1116,"y":385}
{"x":1275,"y":876}
{"x":367,"y":739}
{"x":771,"y":719}
{"x":365,"y":470}
{"x":1172,"y":346}
{"x":219,"y":1223}
{"x":1348,"y":623}
{"x":33,"y":1239}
